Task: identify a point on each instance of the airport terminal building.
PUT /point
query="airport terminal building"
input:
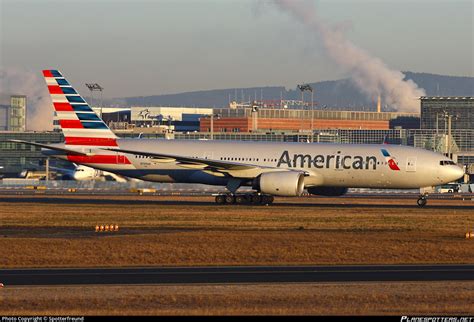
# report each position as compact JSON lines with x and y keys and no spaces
{"x":451,"y":121}
{"x":437,"y":112}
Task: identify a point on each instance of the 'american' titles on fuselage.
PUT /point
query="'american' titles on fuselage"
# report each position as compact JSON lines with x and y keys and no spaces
{"x":321,"y":161}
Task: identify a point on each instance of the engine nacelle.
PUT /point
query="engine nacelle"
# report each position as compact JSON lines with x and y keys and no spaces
{"x":328,"y":191}
{"x":282,"y":183}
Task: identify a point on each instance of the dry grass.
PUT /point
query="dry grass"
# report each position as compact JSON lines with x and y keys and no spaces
{"x":158,"y":231}
{"x":434,"y":298}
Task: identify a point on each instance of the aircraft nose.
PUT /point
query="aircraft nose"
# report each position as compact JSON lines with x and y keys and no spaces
{"x":76,"y":175}
{"x":455,"y":172}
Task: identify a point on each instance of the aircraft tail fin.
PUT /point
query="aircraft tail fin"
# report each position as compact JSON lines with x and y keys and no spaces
{"x":79,"y":123}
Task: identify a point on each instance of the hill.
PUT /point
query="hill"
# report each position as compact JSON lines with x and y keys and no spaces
{"x":336,"y":94}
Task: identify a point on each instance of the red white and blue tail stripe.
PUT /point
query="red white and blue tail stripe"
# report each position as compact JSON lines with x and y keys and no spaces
{"x":79,"y":123}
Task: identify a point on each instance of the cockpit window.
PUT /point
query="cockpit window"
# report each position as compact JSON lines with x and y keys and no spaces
{"x":446,"y":162}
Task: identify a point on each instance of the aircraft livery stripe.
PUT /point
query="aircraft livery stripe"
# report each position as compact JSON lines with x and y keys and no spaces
{"x":71,"y":124}
{"x":73,"y":140}
{"x":102,"y":159}
{"x":63,"y":107}
{"x":90,"y":133}
{"x":54,"y":89}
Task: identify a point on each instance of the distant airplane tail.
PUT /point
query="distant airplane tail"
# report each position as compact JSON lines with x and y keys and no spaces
{"x":79,"y":123}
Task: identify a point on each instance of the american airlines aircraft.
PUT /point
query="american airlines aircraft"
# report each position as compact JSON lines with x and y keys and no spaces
{"x":271,"y":169}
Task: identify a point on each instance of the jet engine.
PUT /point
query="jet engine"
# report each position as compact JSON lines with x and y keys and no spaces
{"x":282,"y":183}
{"x":328,"y":191}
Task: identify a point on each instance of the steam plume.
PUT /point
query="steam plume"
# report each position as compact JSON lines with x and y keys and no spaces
{"x":370,"y":74}
{"x":21,"y":82}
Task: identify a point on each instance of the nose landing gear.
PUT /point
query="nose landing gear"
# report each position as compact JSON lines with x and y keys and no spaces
{"x":422,"y":200}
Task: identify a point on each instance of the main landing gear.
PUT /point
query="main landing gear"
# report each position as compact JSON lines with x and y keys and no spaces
{"x":422,"y":200}
{"x":241,"y":199}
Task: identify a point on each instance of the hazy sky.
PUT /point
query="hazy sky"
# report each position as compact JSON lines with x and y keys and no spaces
{"x":154,"y":47}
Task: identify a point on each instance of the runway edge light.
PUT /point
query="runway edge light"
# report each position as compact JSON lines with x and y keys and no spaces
{"x":106,"y":228}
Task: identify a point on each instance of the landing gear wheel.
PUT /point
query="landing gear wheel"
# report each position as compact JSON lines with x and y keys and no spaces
{"x":240,"y":199}
{"x":266,"y":200}
{"x":421,"y":201}
{"x":220,"y":199}
{"x":229,"y":199}
{"x":256,"y":199}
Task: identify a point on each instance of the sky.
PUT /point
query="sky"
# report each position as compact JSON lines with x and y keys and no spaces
{"x":136,"y":48}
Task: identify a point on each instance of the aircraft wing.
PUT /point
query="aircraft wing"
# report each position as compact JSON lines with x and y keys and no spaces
{"x":46,"y":146}
{"x":216,"y":167}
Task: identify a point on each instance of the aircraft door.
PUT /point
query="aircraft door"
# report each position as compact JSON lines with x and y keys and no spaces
{"x":411,"y":164}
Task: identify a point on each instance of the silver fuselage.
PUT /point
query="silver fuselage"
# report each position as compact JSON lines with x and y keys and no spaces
{"x":331,"y":165}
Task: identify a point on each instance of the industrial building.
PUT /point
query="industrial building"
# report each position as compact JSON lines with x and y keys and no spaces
{"x":246,"y":119}
{"x":150,"y":119}
{"x":4,"y":109}
{"x":13,"y":116}
{"x":277,"y":120}
{"x":179,"y":119}
{"x":17,"y":114}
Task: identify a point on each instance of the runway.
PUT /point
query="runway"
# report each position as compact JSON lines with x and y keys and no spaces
{"x":460,"y":201}
{"x":236,"y":274}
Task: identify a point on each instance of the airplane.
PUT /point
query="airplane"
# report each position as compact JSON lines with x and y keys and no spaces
{"x":270,"y":168}
{"x":85,"y":173}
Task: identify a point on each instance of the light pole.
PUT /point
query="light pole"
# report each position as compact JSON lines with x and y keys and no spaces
{"x":303,"y":88}
{"x":212,"y":126}
{"x":212,"y":123}
{"x":447,"y":130}
{"x":94,"y":87}
{"x":254,"y":118}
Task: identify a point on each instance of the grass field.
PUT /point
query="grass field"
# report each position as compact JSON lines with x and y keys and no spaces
{"x":59,"y":232}
{"x":434,"y":298}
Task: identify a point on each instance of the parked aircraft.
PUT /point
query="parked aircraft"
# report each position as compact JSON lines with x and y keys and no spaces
{"x":85,"y":173}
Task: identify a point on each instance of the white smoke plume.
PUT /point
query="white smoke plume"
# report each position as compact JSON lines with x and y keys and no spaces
{"x":370,"y":74}
{"x":39,"y":112}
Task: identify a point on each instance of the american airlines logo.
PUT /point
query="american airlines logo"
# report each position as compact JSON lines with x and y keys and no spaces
{"x":320,"y":161}
{"x":390,"y":160}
